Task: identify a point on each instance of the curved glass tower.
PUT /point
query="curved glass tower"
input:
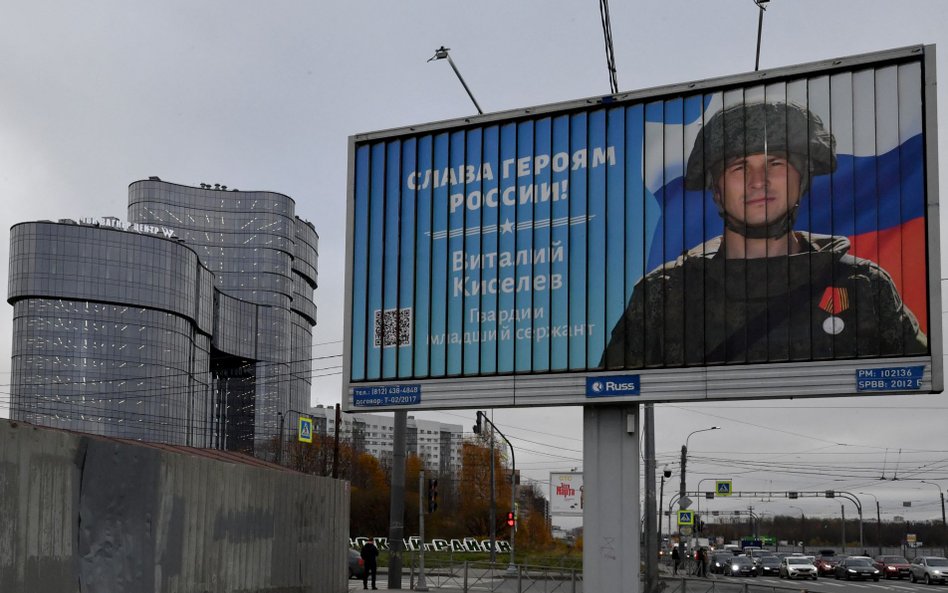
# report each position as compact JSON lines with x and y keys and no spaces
{"x":190,"y":324}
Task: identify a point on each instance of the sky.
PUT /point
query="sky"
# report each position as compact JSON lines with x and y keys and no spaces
{"x":264,"y":96}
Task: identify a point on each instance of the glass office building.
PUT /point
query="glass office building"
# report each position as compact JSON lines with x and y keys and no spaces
{"x":189,"y":324}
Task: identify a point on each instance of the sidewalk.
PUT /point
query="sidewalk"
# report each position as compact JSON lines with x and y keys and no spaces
{"x":381,"y":582}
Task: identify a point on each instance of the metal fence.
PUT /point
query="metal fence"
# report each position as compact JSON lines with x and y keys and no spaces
{"x":484,"y":576}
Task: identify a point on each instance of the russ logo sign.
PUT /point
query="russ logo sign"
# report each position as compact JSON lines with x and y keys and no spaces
{"x":612,"y":385}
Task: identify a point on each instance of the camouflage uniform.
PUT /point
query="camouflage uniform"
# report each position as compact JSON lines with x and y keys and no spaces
{"x":818,"y":304}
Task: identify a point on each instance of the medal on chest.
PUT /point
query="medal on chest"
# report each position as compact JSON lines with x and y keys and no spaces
{"x":834,"y":301}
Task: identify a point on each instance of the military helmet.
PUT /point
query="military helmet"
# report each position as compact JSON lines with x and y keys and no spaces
{"x":755,"y":128}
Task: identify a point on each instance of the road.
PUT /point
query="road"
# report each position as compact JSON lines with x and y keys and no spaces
{"x":822,"y":585}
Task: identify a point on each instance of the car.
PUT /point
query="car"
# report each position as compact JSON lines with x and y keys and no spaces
{"x":930,"y":569}
{"x":826,"y":564}
{"x":756,"y":555}
{"x":740,"y":566}
{"x":797,"y":567}
{"x":719,"y":560}
{"x":768,"y":566}
{"x":857,"y":567}
{"x":893,"y":567}
{"x":356,"y":564}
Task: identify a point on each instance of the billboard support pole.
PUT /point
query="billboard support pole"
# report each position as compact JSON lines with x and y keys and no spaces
{"x":611,"y":509}
{"x":396,"y":527}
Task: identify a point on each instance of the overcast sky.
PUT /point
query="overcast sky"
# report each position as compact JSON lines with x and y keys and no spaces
{"x":263,"y":96}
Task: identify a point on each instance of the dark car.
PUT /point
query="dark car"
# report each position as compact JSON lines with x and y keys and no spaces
{"x":356,"y":564}
{"x":740,"y":566}
{"x":719,"y":560}
{"x":768,"y":566}
{"x":893,"y":567}
{"x":857,"y":567}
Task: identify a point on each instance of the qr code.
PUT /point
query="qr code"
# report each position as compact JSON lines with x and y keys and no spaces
{"x":393,"y":327}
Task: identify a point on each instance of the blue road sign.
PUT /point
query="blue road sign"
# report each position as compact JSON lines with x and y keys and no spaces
{"x":305,"y":431}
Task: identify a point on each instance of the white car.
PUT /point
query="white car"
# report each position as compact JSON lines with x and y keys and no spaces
{"x":797,"y":567}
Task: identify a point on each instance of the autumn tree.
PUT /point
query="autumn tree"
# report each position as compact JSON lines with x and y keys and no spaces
{"x":369,"y":497}
{"x":474,"y":495}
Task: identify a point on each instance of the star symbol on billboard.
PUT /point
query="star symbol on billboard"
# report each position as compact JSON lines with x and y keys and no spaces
{"x":507,"y":227}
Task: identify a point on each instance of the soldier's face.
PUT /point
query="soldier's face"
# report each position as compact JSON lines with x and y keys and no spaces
{"x":758,"y":188}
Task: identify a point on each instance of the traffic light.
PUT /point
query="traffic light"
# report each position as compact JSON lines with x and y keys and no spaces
{"x":432,"y":495}
{"x":510,"y":519}
{"x":477,"y":427}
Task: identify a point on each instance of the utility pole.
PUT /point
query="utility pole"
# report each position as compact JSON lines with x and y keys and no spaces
{"x":335,"y":446}
{"x":651,"y":539}
{"x":421,"y":585}
{"x":842,"y":511}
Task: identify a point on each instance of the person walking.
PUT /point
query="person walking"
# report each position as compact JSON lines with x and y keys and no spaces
{"x":369,"y":555}
{"x":702,"y":568}
{"x":676,"y":560}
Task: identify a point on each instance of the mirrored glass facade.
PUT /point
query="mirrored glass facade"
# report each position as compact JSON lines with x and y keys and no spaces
{"x":189,"y":324}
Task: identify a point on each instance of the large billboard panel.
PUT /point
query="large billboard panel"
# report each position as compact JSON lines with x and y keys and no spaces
{"x":678,"y":243}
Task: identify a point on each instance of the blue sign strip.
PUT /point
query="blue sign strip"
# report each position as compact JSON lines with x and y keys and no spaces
{"x":890,"y":378}
{"x":387,"y":395}
{"x":607,"y":386}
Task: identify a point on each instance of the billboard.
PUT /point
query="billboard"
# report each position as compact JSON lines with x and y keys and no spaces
{"x":763,"y":235}
{"x":566,"y":494}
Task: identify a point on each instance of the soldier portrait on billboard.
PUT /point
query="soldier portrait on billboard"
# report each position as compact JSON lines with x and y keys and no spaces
{"x":762,"y":291}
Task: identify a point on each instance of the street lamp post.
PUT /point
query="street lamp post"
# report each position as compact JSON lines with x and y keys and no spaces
{"x":684,"y":459}
{"x":802,"y":528}
{"x":441,"y":54}
{"x":944,"y":524}
{"x":700,"y":494}
{"x":512,"y":567}
{"x":878,"y":520}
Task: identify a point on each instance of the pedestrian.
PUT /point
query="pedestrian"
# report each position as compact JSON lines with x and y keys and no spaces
{"x":702,"y":569}
{"x":676,"y":559}
{"x":369,"y":555}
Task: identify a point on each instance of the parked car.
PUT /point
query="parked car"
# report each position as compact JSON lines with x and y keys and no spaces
{"x":931,"y":569}
{"x":893,"y":567}
{"x":768,"y":566}
{"x":857,"y":567}
{"x":356,"y":564}
{"x":719,"y":560}
{"x":740,"y":566}
{"x":797,"y":567}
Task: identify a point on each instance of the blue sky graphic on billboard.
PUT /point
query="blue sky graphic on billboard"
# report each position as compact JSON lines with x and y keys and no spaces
{"x":516,"y":247}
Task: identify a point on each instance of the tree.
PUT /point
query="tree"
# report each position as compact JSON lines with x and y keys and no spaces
{"x":474,"y":488}
{"x":369,"y":497}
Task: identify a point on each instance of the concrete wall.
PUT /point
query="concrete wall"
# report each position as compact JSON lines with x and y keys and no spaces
{"x":90,"y":514}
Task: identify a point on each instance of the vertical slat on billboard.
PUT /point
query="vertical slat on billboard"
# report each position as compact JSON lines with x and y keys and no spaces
{"x":716,"y":229}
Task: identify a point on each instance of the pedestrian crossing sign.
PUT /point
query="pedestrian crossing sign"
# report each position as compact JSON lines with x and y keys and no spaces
{"x":723,"y":487}
{"x":306,"y":430}
{"x":686,"y":518}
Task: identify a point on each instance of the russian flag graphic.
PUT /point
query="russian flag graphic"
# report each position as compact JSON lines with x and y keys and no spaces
{"x":875,"y":197}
